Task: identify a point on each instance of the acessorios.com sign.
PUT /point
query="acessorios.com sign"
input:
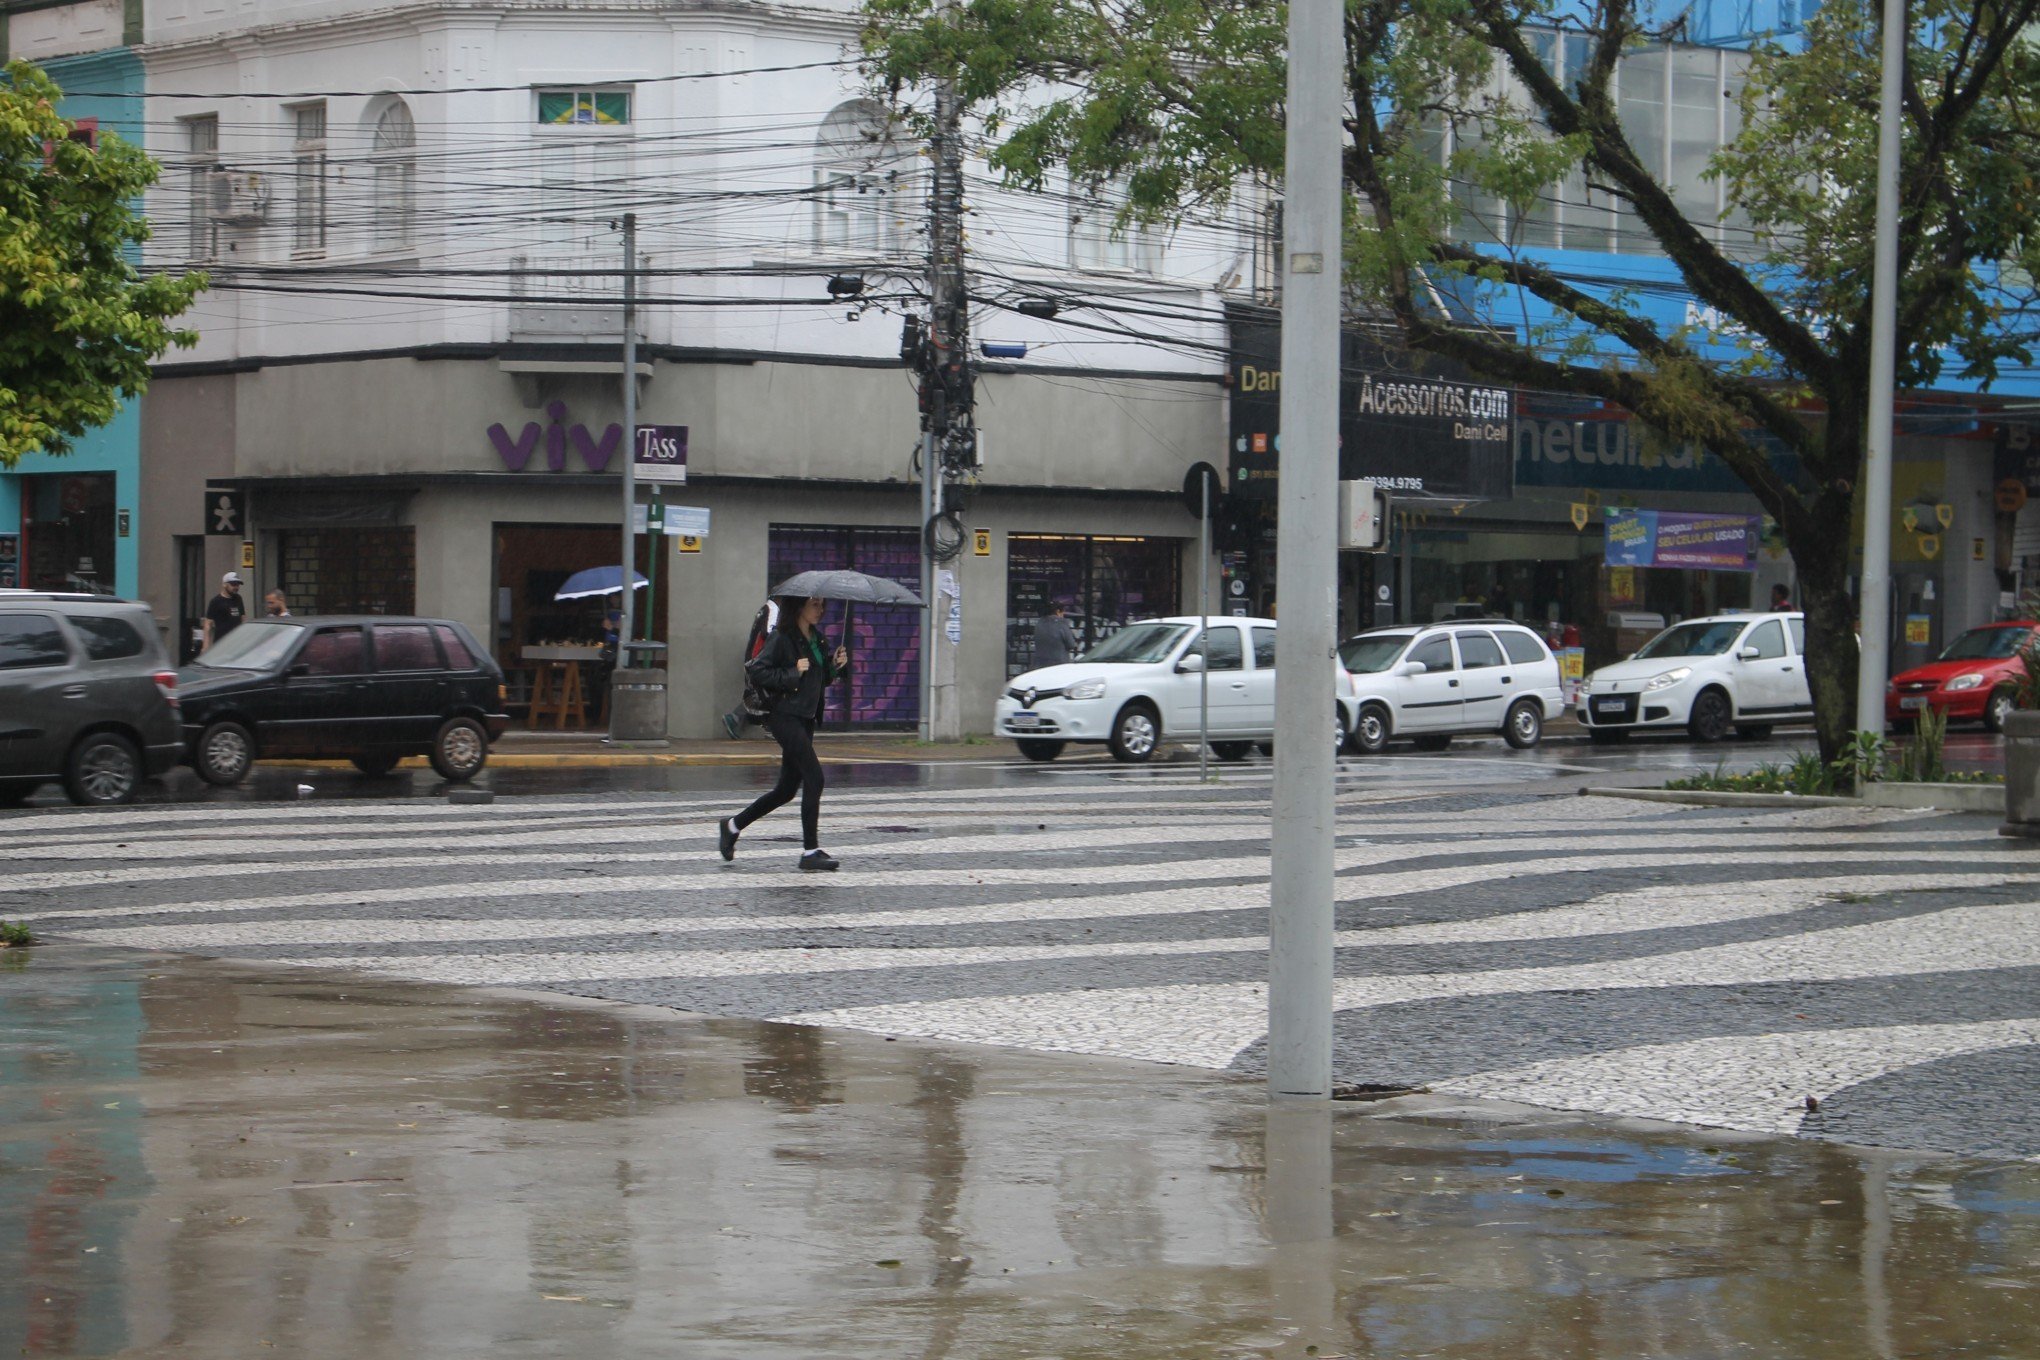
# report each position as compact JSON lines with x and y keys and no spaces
{"x":1414,"y":424}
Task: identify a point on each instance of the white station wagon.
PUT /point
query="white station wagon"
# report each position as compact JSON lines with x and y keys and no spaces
{"x":1142,"y":685}
{"x":1460,"y":677}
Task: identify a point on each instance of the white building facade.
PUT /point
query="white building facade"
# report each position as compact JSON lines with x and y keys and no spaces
{"x":410,"y":362}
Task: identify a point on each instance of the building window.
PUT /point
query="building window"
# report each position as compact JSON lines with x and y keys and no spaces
{"x":584,"y":108}
{"x":394,"y":157}
{"x":308,"y":176}
{"x":1103,"y":582}
{"x":202,"y":162}
{"x":863,"y":195}
{"x":883,"y":689}
{"x":1097,"y":241}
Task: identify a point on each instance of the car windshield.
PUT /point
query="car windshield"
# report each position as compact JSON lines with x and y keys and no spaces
{"x":1371,"y":655}
{"x":1139,"y":644}
{"x":1700,"y":638}
{"x":1986,"y":644}
{"x":251,"y":647}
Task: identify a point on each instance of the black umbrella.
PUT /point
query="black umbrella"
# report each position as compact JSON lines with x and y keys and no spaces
{"x":853,"y":586}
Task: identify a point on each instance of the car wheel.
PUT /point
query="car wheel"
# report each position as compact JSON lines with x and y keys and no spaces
{"x":1711,"y":716}
{"x":1604,"y":736}
{"x":1753,"y":731}
{"x":225,"y":751}
{"x":460,"y":750}
{"x":1437,"y":743}
{"x":1370,"y":734}
{"x":15,"y":794}
{"x":103,"y":769}
{"x":1525,"y":725}
{"x":1034,"y":748}
{"x":1232,"y":750}
{"x":1998,"y":708}
{"x":1340,"y":736}
{"x":1135,"y":733}
{"x":375,"y":764}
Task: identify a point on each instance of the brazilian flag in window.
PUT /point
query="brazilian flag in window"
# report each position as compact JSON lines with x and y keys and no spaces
{"x":569,"y":107}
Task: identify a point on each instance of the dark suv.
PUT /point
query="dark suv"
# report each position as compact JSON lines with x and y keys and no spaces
{"x":87,"y":696}
{"x":371,"y":690}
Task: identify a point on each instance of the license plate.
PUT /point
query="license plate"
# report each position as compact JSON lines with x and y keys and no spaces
{"x":1024,"y":720}
{"x":1609,"y":705}
{"x":1918,"y":701}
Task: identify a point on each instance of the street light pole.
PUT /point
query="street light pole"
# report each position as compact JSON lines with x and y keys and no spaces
{"x":1300,"y":887}
{"x":1874,"y":598}
{"x":623,"y":628}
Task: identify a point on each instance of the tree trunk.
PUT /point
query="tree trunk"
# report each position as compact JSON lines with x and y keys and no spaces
{"x":1832,"y":651}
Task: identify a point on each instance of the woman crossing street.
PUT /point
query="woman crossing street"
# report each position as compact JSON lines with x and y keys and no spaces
{"x":791,"y":672}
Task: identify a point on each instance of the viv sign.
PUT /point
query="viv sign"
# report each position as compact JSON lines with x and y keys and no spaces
{"x":595,"y":451}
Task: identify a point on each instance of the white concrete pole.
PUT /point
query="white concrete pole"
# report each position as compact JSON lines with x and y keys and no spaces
{"x":1874,"y":597}
{"x":1300,"y":892}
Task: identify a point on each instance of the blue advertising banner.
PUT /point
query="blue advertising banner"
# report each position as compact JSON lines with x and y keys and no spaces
{"x":1652,"y":538}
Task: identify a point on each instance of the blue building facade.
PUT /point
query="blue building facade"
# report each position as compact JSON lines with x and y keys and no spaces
{"x":75,"y":522}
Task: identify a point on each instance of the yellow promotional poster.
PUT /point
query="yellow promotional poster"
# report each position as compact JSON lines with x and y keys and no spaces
{"x":689,"y":543}
{"x":1916,"y":489}
{"x":1621,"y":587}
{"x":981,"y":545}
{"x":1917,"y":630}
{"x":247,"y":553}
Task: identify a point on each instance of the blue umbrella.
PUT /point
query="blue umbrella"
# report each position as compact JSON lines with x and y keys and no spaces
{"x":597,"y":581}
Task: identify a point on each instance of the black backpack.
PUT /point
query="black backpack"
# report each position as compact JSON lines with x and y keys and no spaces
{"x":754,"y":703}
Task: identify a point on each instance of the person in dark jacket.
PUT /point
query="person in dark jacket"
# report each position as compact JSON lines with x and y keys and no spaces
{"x":791,"y":671}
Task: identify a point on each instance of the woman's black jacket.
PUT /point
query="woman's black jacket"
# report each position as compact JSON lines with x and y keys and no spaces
{"x":785,"y":689}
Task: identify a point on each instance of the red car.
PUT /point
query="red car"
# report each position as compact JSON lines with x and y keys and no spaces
{"x":1975,"y":680}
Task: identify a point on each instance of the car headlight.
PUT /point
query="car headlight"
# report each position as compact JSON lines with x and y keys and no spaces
{"x":1667,"y":680}
{"x":1968,"y":681}
{"x":1086,"y":689}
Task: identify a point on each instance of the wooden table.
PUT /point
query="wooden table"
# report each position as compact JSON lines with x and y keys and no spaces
{"x":556,"y":690}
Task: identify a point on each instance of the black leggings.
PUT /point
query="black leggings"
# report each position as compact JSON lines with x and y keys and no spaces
{"x":799,"y":772}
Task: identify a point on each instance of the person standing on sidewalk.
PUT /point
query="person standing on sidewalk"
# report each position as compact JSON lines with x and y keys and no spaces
{"x":224,"y":611}
{"x":1055,"y":641}
{"x":791,"y":671}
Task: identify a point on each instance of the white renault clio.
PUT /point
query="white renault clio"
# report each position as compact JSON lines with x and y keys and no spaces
{"x":1143,"y":685}
{"x":1746,"y":671}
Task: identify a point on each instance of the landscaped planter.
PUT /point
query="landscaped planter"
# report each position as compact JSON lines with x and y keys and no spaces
{"x":2022,"y":773}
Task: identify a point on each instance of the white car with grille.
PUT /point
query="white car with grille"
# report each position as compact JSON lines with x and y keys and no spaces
{"x":1143,"y":686}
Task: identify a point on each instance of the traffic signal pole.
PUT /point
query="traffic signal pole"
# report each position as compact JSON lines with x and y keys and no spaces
{"x":1300,"y":888}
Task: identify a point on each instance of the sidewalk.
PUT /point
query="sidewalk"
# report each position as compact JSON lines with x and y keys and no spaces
{"x":209,"y":1159}
{"x":522,"y":749}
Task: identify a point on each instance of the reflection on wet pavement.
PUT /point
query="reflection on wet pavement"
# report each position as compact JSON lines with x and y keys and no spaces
{"x":198,"y":1159}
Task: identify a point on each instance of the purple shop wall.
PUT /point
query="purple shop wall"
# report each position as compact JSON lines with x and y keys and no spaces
{"x":884,"y":686}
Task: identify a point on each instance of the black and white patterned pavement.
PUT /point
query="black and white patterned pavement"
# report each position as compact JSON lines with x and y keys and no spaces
{"x":1712,"y":966}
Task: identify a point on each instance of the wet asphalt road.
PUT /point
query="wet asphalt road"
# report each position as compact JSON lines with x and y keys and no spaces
{"x":1557,"y":766}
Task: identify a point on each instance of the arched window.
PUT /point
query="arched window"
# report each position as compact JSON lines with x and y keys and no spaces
{"x":394,"y":156}
{"x":863,"y":192}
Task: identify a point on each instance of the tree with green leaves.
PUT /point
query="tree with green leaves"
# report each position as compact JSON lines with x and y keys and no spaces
{"x":79,"y":323}
{"x":1456,"y":107}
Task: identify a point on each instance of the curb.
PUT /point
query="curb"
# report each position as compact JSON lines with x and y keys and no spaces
{"x":1922,"y":797}
{"x":1698,"y":798}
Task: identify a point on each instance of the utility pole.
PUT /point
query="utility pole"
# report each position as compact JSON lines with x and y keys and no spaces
{"x":1874,"y":597}
{"x":1300,"y":888}
{"x":623,"y":631}
{"x":948,"y":435}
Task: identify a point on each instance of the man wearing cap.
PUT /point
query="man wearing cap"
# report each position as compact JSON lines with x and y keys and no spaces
{"x":224,"y":612}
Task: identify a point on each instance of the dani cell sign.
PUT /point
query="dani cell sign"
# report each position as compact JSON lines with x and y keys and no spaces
{"x":1653,"y":538}
{"x":1415,"y":425}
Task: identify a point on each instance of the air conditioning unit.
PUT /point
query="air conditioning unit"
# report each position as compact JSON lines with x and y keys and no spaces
{"x":239,"y":196}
